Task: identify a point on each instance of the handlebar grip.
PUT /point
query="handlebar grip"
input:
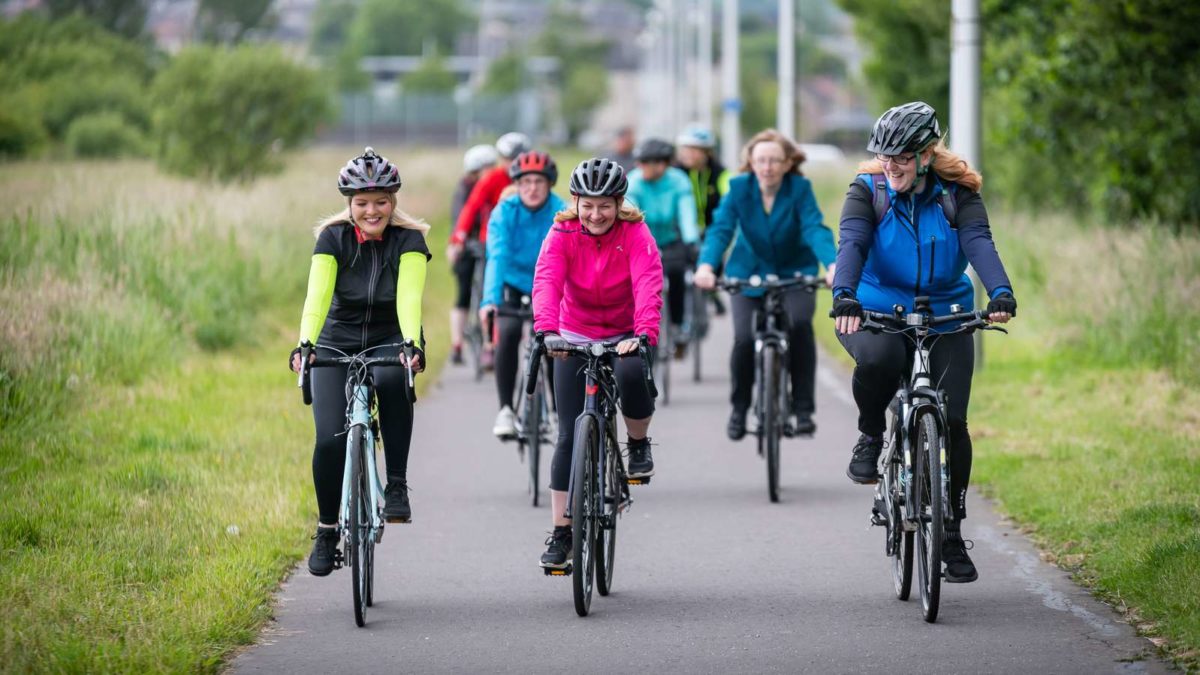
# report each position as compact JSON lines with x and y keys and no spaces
{"x":535,"y":362}
{"x":305,"y":376}
{"x":410,"y":391}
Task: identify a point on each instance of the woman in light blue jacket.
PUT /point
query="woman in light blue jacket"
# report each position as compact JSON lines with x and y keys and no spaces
{"x":515,"y":232}
{"x":779,"y":231}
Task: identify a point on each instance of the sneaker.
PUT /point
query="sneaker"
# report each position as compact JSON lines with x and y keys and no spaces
{"x":487,"y":360}
{"x":718,"y":306}
{"x":456,"y":356}
{"x":959,"y":568}
{"x":324,"y":551}
{"x":804,"y":424}
{"x":864,"y":468}
{"x":680,"y":349}
{"x":641,"y":463}
{"x":396,"y":507}
{"x":558,"y":549}
{"x":505,"y":427}
{"x":736,"y":429}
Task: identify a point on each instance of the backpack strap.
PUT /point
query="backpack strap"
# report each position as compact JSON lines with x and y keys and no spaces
{"x":949,"y":204}
{"x":880,"y":199}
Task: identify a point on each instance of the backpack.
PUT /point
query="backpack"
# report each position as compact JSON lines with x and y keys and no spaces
{"x":882,"y":201}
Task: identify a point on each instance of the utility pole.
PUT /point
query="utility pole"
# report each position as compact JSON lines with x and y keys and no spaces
{"x":965,"y":36}
{"x":705,"y":64}
{"x":785,"y":113}
{"x":731,"y":100}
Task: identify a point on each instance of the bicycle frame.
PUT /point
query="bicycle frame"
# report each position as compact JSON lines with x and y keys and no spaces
{"x":360,"y":416}
{"x":597,"y":404}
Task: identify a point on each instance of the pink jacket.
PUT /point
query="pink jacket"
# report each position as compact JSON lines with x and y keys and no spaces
{"x":598,"y":286}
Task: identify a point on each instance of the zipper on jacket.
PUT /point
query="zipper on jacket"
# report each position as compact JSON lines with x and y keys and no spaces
{"x":932,"y":257}
{"x":370,"y":294}
{"x":912,"y":210}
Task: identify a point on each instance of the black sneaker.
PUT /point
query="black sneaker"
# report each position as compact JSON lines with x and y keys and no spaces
{"x":736,"y":429}
{"x":641,"y":462}
{"x":804,"y":425}
{"x":324,"y":551}
{"x":864,"y":468}
{"x":558,"y":548}
{"x":959,"y":568}
{"x":396,"y":508}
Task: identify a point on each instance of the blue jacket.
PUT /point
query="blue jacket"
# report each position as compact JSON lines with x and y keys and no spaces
{"x":793,"y":238}
{"x":514,"y":238}
{"x":669,"y":205}
{"x":913,"y":251}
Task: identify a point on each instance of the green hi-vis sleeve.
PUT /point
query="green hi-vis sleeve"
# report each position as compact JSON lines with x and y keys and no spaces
{"x":321,"y":279}
{"x":410,"y":287}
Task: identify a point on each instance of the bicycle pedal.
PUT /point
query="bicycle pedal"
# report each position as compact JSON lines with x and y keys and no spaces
{"x":557,"y":571}
{"x":399,"y":521}
{"x":640,"y":480}
{"x":877,"y":519}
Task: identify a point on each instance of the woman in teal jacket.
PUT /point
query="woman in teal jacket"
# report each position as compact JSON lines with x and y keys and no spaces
{"x":779,"y":231}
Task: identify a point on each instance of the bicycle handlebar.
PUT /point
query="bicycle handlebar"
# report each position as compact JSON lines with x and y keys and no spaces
{"x":898,"y":321}
{"x":543,"y":343}
{"x":771,"y":282}
{"x":308,"y":363}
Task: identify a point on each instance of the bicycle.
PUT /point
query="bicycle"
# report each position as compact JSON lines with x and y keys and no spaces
{"x":360,"y":517}
{"x":695,"y":322}
{"x":912,"y":498}
{"x":535,"y":413}
{"x":666,"y":344}
{"x":773,"y":402}
{"x":598,"y":492}
{"x":474,"y":332}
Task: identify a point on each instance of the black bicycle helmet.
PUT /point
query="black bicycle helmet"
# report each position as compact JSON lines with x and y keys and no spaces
{"x":598,"y":177}
{"x":368,"y":173}
{"x":654,"y":150}
{"x":905,"y":128}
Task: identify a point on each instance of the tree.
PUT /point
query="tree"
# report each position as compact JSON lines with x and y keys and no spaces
{"x":124,"y":17}
{"x":229,"y":21}
{"x":387,"y":27}
{"x":431,"y":77}
{"x":330,"y":26}
{"x":504,"y":75}
{"x":581,"y":65}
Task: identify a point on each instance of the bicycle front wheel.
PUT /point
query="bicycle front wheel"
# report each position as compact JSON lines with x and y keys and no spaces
{"x":357,"y":536}
{"x":533,"y":437}
{"x":771,"y":429}
{"x":931,"y":510}
{"x":900,"y":542}
{"x":614,"y":493}
{"x":584,"y":512}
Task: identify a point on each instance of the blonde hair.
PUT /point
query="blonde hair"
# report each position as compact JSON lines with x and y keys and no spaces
{"x":629,"y":213}
{"x":791,"y":151}
{"x":508,"y":191}
{"x":946,"y":164}
{"x":399,"y":218}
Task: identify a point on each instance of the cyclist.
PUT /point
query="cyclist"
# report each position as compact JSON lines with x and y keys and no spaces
{"x":515,"y":233}
{"x":478,"y":208}
{"x":598,"y":278}
{"x":780,"y":231}
{"x":364,"y":290}
{"x":475,"y":161}
{"x":664,"y":195}
{"x":883,"y":262}
{"x":622,"y":148}
{"x":709,"y":178}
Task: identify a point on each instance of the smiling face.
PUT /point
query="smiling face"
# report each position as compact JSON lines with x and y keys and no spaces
{"x":534,"y":189}
{"x":770,"y":164}
{"x":371,"y":212}
{"x":901,"y":170}
{"x":598,"y":213}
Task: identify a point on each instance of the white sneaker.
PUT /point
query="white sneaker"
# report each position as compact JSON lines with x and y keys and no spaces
{"x":506,"y":424}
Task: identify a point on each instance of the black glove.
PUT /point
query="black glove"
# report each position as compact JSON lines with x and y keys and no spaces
{"x":419,"y":353}
{"x":1005,"y":302}
{"x":292,"y":357}
{"x":846,"y":305}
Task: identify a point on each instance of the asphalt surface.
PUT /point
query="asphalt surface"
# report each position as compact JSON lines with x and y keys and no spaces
{"x":710,"y":576}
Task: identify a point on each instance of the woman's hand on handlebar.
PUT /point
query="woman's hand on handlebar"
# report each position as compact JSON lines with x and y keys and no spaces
{"x":485,"y":314}
{"x":847,"y":314}
{"x":294,"y":361}
{"x":630,"y":346}
{"x":418,"y":359}
{"x":704,"y":277}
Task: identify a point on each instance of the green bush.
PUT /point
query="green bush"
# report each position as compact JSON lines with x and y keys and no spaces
{"x":104,"y":134}
{"x":225,"y":113}
{"x":69,"y":96}
{"x":21,"y":133}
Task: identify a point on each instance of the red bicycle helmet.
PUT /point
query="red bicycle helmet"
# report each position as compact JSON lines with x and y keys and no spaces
{"x":534,"y":162}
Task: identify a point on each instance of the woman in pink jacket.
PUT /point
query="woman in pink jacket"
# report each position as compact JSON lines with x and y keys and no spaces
{"x":598,"y":278}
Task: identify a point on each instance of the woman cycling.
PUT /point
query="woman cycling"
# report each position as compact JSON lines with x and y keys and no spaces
{"x":364,"y":290}
{"x":476,"y":160}
{"x":664,"y":195}
{"x":598,"y":278}
{"x":516,"y":229}
{"x":780,"y":231}
{"x":709,"y":179}
{"x":913,"y":249}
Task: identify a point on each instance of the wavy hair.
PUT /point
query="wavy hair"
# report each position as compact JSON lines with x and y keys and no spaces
{"x":946,"y":164}
{"x":399,"y":218}
{"x":629,"y":213}
{"x":791,"y":151}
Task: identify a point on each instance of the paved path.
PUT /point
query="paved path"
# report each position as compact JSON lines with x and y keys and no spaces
{"x":710,"y":576}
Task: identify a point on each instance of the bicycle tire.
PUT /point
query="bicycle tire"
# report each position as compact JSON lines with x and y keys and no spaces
{"x":606,"y":535}
{"x":583,"y":515}
{"x":533,"y":438}
{"x":929,"y":529}
{"x":900,"y":540}
{"x":370,"y":571}
{"x":696,"y":359}
{"x":356,"y":548}
{"x":771,"y":430}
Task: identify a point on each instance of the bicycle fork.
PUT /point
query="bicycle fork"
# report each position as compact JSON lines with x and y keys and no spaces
{"x":361,"y":417}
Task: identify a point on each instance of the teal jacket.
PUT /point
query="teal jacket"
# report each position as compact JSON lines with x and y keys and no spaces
{"x":514,"y":238}
{"x":669,"y":205}
{"x":792,"y":239}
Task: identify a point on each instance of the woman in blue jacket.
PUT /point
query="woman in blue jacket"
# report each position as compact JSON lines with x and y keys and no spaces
{"x":515,"y":232}
{"x":889,"y":255}
{"x":780,"y":231}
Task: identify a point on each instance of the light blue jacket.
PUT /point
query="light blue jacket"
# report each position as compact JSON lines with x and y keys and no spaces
{"x":514,"y":238}
{"x":669,"y":205}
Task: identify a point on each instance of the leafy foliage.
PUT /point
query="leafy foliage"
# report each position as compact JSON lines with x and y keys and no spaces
{"x":386,"y":27}
{"x":230,"y":21}
{"x":431,"y":77}
{"x":124,"y":17}
{"x":504,"y":74}
{"x":581,"y":65}
{"x":105,"y":134}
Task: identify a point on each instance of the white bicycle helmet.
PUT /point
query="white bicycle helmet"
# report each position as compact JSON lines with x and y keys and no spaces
{"x":479,"y":157}
{"x":512,"y":144}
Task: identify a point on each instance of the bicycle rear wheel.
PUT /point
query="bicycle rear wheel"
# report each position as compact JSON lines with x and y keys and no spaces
{"x":584,"y":513}
{"x":357,"y":547}
{"x":771,"y":430}
{"x":606,"y":537}
{"x":931,"y":509}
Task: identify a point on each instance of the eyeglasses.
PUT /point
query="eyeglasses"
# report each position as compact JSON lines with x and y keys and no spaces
{"x":898,"y":160}
{"x":769,"y":161}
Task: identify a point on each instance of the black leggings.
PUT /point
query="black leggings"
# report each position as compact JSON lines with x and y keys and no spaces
{"x":569,"y":380}
{"x":802,"y":348}
{"x":508,"y":347}
{"x":882,"y":362}
{"x":675,"y":264}
{"x":464,"y":273}
{"x":329,"y":413}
